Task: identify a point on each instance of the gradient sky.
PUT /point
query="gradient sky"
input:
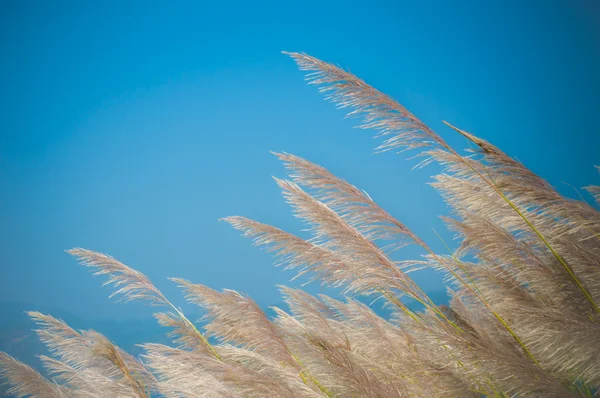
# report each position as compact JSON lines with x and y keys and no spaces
{"x":132,"y":127}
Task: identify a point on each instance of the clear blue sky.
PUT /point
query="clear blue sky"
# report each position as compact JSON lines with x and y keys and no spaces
{"x":132,"y":127}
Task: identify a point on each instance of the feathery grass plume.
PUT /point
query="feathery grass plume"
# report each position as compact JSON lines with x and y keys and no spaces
{"x":372,"y":266}
{"x":560,"y":223}
{"x":379,"y":111}
{"x":26,"y":382}
{"x":133,"y":285}
{"x":528,"y":191}
{"x":594,"y":190}
{"x":183,"y":333}
{"x":295,"y":253}
{"x":63,"y":342}
{"x":77,"y":355}
{"x":235,"y":318}
{"x":538,"y":209}
{"x":130,"y":371}
{"x":353,"y":205}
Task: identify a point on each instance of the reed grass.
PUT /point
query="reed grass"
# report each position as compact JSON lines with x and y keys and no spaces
{"x":522,"y":318}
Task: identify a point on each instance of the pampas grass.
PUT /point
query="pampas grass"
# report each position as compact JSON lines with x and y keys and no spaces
{"x":524,"y":285}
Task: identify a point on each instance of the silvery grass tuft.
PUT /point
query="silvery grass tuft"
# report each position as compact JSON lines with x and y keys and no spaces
{"x":524,"y":285}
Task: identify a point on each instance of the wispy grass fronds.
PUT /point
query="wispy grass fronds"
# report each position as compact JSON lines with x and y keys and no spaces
{"x":133,"y":285}
{"x":523,"y":285}
{"x":130,"y":284}
{"x":594,"y":190}
{"x":183,"y":332}
{"x":237,"y":319}
{"x":26,"y":382}
{"x":400,"y":129}
{"x":355,"y":206}
{"x":293,"y":252}
{"x":88,"y":362}
{"x":68,"y":345}
{"x":371,"y":265}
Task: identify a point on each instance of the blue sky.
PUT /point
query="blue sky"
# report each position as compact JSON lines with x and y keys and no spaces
{"x":132,"y":127}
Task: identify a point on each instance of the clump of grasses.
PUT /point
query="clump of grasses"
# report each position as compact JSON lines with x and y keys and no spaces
{"x":524,"y":285}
